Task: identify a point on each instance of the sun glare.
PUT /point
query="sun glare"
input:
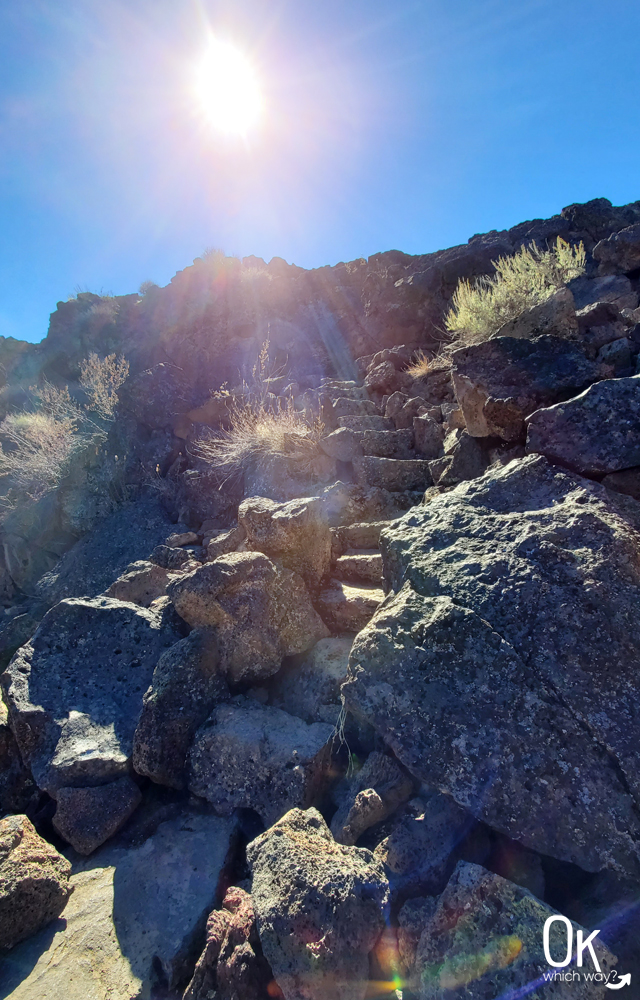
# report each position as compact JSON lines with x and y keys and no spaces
{"x":228,"y":89}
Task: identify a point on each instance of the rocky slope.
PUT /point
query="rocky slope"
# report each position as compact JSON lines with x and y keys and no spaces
{"x":347,"y":728}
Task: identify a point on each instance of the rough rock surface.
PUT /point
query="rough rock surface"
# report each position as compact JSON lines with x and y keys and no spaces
{"x":185,"y":686}
{"x":504,"y":670}
{"x":556,"y":315}
{"x":34,"y":881}
{"x":74,"y":722}
{"x":347,"y":608}
{"x":142,"y":582}
{"x":86,"y":570}
{"x":297,"y":534}
{"x":86,"y":817}
{"x":232,"y":965}
{"x":136,"y":917}
{"x":311,"y":689}
{"x":419,"y":852}
{"x":254,"y":756}
{"x":485,"y":940}
{"x":320,"y":908}
{"x":619,"y":252}
{"x":500,"y":382}
{"x":596,"y":432}
{"x":262,"y":612}
{"x":373,"y":794}
{"x":16,"y":784}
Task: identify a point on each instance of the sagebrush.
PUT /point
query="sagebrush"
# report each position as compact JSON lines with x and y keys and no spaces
{"x":521,"y":281}
{"x":101,"y":378}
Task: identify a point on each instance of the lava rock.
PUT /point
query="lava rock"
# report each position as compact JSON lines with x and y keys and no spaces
{"x":185,"y":686}
{"x":320,"y":908}
{"x":34,"y":881}
{"x":74,"y":692}
{"x":262,"y":612}
{"x":501,"y":381}
{"x":254,"y":756}
{"x":596,"y":432}
{"x":86,"y":817}
{"x":373,"y":794}
{"x":297,"y":534}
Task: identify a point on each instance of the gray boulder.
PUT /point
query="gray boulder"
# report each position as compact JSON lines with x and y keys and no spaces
{"x":86,"y":570}
{"x":596,"y":432}
{"x":34,"y":881}
{"x":74,"y":692}
{"x":500,"y":382}
{"x":463,"y":459}
{"x":253,"y":756}
{"x":320,"y":908}
{"x":556,"y":315}
{"x":261,"y":612}
{"x":485,"y":940}
{"x":311,"y":689}
{"x":185,"y":686}
{"x":610,"y":288}
{"x":86,"y":817}
{"x":620,"y":252}
{"x":141,"y":583}
{"x":297,"y":534}
{"x":503,"y":672}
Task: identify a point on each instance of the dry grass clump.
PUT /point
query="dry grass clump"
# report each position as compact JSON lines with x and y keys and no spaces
{"x":521,"y":281}
{"x":425,"y":364}
{"x":258,"y":432}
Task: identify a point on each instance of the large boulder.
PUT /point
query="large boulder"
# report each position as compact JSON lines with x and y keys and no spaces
{"x":620,"y":252}
{"x":556,"y":315}
{"x":500,"y":382}
{"x":34,"y":881}
{"x":136,"y":918}
{"x":86,"y":570}
{"x":596,"y":432}
{"x":185,"y":686}
{"x":504,"y":670}
{"x":485,"y":939}
{"x":320,"y":908}
{"x":253,"y":756}
{"x":86,"y":817}
{"x":262,"y":612}
{"x":297,"y":534}
{"x":309,"y":686}
{"x":74,"y":692}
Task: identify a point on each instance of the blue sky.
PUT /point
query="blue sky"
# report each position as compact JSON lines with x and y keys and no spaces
{"x":408,"y":125}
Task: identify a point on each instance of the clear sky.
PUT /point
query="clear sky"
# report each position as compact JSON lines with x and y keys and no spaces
{"x":385,"y":124}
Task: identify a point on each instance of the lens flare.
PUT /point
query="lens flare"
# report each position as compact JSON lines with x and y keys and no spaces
{"x":227,"y":89}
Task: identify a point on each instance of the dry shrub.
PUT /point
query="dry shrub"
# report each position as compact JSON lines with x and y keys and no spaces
{"x":40,"y":446}
{"x":424,"y":364}
{"x":521,"y":281}
{"x":258,"y":432}
{"x":101,"y":378}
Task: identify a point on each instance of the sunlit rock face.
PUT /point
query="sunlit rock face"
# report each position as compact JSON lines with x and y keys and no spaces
{"x":504,"y":669}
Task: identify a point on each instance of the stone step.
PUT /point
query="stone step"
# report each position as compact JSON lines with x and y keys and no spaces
{"x":364,"y":566}
{"x":338,"y":392}
{"x":394,"y":475}
{"x":344,"y":407}
{"x":360,"y":535}
{"x":366,"y":423}
{"x":347,"y":607}
{"x":327,"y":384}
{"x":388,"y":444}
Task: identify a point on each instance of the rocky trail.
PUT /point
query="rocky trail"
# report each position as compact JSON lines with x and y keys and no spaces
{"x":353,"y":727}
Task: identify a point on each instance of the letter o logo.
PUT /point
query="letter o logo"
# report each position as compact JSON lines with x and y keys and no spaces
{"x":545,"y":940}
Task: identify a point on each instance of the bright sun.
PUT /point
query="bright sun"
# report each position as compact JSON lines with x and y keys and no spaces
{"x":227,"y":88}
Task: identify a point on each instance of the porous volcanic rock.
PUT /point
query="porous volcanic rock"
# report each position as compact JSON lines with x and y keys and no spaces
{"x":86,"y":817}
{"x":320,"y":908}
{"x":34,"y":881}
{"x":485,"y":940}
{"x":504,"y":670}
{"x":185,"y":686}
{"x":254,"y":756}
{"x":297,"y":534}
{"x":262,"y":612}
{"x":620,"y":252}
{"x":501,"y":381}
{"x":596,"y":432}
{"x":373,"y":794}
{"x":310,"y":689}
{"x":232,"y":964}
{"x":556,"y":315}
{"x":74,"y":692}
